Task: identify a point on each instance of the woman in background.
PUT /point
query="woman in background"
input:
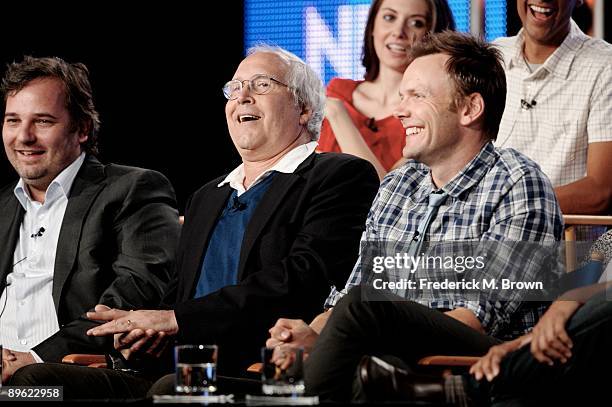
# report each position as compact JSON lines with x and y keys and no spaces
{"x":359,"y":118}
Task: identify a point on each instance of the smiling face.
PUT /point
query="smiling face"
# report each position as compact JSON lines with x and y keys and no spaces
{"x":546,"y":22}
{"x":264,"y":126}
{"x":426,"y":93}
{"x":39,"y":137}
{"x":397,"y":25}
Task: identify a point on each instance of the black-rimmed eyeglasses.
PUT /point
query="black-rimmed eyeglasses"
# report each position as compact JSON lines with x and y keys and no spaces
{"x":259,"y":84}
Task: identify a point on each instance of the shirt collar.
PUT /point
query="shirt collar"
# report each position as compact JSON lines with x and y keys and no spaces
{"x":287,"y":165}
{"x":469,"y":176}
{"x":427,"y":186}
{"x":560,"y":61}
{"x":59,"y":186}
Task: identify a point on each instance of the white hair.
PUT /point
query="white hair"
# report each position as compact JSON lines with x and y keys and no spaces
{"x":304,"y":83}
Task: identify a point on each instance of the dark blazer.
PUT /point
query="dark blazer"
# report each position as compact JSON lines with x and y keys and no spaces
{"x":302,"y":238}
{"x":116,"y":247}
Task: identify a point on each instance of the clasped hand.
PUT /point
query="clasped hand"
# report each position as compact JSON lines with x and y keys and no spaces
{"x":290,"y":334}
{"x":549,"y":342}
{"x":143,"y":331}
{"x":13,"y":360}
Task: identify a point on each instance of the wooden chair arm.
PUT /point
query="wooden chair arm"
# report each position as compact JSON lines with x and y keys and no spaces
{"x":587,"y":220}
{"x":85,"y":360}
{"x":439,"y":360}
{"x":255,"y":368}
{"x":98,"y":365}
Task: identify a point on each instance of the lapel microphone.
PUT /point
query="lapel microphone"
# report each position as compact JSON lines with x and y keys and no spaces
{"x":528,"y":105}
{"x":39,"y":233}
{"x":371,"y":123}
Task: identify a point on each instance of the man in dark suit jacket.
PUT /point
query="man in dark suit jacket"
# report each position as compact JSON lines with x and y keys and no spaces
{"x":301,"y":240}
{"x":76,"y":233}
{"x":269,"y":240}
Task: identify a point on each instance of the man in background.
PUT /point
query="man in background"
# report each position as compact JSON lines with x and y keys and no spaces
{"x":559,"y":103}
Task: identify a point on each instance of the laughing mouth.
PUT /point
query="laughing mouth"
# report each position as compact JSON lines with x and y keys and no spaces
{"x":29,"y":153}
{"x":413,"y":130}
{"x":242,"y":118}
{"x":541,"y":11}
{"x":397,"y":48}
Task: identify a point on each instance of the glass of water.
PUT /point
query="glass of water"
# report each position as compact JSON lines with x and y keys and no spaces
{"x":282,"y":382}
{"x":196,"y":369}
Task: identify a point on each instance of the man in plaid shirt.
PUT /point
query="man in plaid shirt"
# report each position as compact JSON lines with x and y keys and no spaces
{"x":452,"y":98}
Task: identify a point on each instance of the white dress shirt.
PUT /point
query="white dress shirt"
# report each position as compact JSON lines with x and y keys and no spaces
{"x":29,"y":317}
{"x":287,"y":165}
{"x":555,"y":110}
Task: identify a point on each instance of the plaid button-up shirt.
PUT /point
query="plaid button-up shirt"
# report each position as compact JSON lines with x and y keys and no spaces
{"x":500,"y":195}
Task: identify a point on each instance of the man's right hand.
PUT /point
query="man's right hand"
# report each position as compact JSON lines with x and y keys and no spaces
{"x":550,"y":339}
{"x":139,"y":343}
{"x":290,"y":334}
{"x":293,"y":332}
{"x":13,"y":360}
{"x":488,"y":365}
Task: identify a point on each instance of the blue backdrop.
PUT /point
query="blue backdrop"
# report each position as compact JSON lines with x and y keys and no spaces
{"x":328,"y":34}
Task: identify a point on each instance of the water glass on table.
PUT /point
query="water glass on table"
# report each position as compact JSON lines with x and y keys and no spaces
{"x":282,"y":382}
{"x":196,"y":369}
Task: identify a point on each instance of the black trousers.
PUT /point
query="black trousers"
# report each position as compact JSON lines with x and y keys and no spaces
{"x":523,"y":381}
{"x":403,"y":329}
{"x":85,"y":383}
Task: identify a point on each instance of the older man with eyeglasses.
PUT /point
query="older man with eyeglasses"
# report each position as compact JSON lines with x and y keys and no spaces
{"x":267,"y":241}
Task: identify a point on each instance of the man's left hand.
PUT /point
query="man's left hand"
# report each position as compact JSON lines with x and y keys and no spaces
{"x":120,"y":321}
{"x":13,"y":360}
